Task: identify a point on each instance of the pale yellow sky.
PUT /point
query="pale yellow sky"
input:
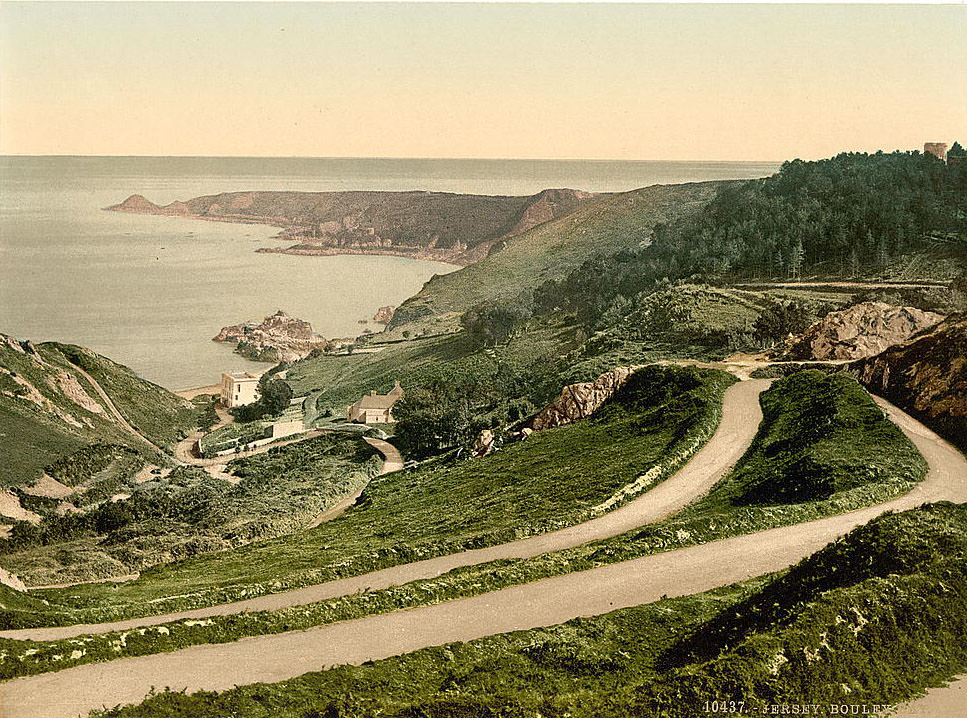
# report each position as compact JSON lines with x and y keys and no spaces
{"x":592,"y":81}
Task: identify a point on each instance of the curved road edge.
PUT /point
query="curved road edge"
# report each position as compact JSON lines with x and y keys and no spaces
{"x":543,"y":603}
{"x":741,"y":415}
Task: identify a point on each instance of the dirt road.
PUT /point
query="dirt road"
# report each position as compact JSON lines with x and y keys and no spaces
{"x":740,"y":420}
{"x":542,"y":603}
{"x":392,"y":461}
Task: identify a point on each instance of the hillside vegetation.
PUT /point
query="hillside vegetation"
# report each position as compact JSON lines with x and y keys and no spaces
{"x":186,"y":513}
{"x":50,"y":411}
{"x":551,"y":480}
{"x":873,"y":618}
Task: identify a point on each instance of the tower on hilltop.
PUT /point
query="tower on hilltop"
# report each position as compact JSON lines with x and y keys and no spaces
{"x":937,"y":149}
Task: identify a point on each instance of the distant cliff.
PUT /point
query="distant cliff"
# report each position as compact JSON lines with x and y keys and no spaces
{"x":454,"y":228}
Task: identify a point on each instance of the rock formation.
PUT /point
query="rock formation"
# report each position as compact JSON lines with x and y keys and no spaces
{"x":860,"y":331}
{"x":278,"y":338}
{"x":926,"y":376}
{"x":578,"y":401}
{"x":384,"y":315}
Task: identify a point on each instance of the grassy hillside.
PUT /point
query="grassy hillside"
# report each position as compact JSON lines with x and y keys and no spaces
{"x":185,"y":513}
{"x":49,"y":411}
{"x":551,"y":250}
{"x":896,"y":466}
{"x":160,"y":415}
{"x":873,"y":618}
{"x":551,"y":480}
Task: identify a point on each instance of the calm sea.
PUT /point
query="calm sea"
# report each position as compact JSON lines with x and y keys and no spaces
{"x":150,"y":292}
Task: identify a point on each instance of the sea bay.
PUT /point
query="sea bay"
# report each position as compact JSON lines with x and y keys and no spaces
{"x":151,"y":291}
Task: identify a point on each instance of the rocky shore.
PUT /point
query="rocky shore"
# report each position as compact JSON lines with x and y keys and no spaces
{"x":278,"y":337}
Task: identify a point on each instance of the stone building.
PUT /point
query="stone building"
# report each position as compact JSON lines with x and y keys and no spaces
{"x":376,"y":408}
{"x":239,"y":388}
{"x":937,"y":149}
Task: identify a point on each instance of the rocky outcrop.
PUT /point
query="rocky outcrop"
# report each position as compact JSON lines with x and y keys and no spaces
{"x":860,"y":331}
{"x":926,"y":376}
{"x":384,"y":315}
{"x":278,"y":337}
{"x":578,"y":401}
{"x":11,"y":580}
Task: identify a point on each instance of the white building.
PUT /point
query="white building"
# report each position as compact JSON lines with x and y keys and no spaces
{"x":239,"y":388}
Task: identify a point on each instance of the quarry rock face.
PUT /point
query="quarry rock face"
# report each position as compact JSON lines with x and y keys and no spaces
{"x":860,"y":331}
{"x":278,"y":337}
{"x":926,"y":376}
{"x":578,"y":401}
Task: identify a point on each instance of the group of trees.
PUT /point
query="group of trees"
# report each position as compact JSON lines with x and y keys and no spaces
{"x":845,"y":216}
{"x":274,"y":398}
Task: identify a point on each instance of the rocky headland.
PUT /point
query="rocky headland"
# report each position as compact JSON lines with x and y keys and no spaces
{"x":856,"y":332}
{"x":438,"y":226}
{"x":278,"y":337}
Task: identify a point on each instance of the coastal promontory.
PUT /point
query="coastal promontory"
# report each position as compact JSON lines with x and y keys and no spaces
{"x":438,"y":226}
{"x":278,"y":337}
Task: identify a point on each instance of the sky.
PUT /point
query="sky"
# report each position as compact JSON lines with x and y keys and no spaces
{"x":584,"y":81}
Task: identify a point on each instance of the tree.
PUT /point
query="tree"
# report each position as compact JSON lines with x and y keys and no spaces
{"x":435,"y":418}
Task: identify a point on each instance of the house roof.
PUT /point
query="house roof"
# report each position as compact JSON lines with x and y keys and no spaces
{"x":377,"y":401}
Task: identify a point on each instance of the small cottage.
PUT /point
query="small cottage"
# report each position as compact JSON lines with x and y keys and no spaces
{"x":376,"y":408}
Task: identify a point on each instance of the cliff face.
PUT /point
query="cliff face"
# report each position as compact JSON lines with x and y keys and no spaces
{"x":927,"y":377}
{"x":454,"y":228}
{"x":578,"y":401}
{"x":278,"y":337}
{"x":859,"y":331}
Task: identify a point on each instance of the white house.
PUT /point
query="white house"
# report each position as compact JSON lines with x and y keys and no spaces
{"x":239,"y":388}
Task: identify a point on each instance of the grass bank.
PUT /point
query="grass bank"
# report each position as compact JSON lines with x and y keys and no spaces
{"x":875,"y":617}
{"x":552,"y":480}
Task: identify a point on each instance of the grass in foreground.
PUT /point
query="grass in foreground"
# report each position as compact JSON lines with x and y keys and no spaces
{"x":875,"y":617}
{"x":712,"y":518}
{"x":549,"y":481}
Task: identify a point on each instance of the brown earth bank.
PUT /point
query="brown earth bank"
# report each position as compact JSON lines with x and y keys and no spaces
{"x":440,"y":226}
{"x":926,"y":376}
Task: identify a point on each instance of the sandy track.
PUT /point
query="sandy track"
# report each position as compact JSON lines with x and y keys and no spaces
{"x":277,"y":657}
{"x":948,"y":701}
{"x":542,"y":603}
{"x":741,"y":415}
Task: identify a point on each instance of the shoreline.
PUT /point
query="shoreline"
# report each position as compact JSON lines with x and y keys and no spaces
{"x":287,"y":229}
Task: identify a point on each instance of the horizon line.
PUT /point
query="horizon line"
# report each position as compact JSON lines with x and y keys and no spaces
{"x":381,"y":157}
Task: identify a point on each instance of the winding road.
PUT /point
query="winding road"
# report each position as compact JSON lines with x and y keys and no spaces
{"x":74,"y":691}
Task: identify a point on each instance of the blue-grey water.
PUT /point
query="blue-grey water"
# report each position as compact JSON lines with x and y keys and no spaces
{"x":150,"y":291}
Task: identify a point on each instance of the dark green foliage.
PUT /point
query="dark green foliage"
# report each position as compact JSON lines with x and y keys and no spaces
{"x":437,"y":417}
{"x":493,"y":322}
{"x":274,"y":397}
{"x":855,"y":212}
{"x":821,"y":434}
{"x":84,"y":464}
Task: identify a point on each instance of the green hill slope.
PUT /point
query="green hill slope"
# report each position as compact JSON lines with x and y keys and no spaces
{"x":551,"y":250}
{"x":48,"y":410}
